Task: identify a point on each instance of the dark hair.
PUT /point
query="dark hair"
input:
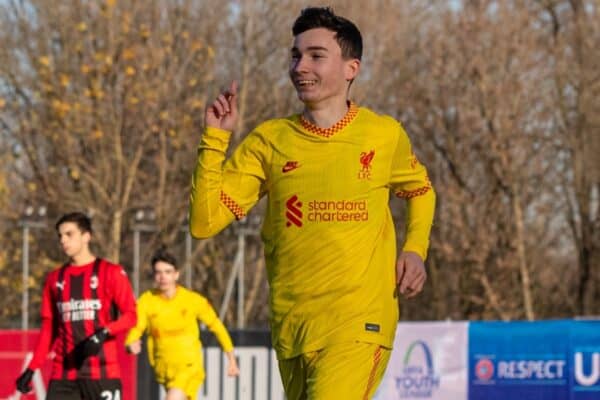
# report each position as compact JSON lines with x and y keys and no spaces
{"x":163,"y":255}
{"x":346,"y":33}
{"x":83,"y":222}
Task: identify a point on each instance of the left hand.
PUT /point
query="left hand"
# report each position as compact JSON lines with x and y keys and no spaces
{"x":410,"y":274}
{"x":93,"y":344}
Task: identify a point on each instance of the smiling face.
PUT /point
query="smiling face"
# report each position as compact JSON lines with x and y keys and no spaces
{"x":73,"y":241}
{"x":317,"y":69}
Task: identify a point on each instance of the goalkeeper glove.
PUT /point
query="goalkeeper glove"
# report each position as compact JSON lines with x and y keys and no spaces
{"x":24,"y":381}
{"x":93,"y":344}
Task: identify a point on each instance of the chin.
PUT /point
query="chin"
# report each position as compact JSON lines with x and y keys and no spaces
{"x":307,"y":100}
{"x":305,"y":95}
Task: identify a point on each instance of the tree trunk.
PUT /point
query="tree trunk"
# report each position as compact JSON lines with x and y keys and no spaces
{"x":522,"y":257}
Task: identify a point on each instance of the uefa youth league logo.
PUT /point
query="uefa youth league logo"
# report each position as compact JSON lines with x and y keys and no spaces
{"x":418,"y":378}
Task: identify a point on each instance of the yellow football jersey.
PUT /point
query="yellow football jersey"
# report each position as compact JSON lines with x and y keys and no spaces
{"x":172,"y":326}
{"x":329,"y":238}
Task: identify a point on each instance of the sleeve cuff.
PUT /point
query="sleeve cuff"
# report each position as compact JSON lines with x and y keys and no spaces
{"x":422,"y":252}
{"x":217,"y":132}
{"x":409,"y":194}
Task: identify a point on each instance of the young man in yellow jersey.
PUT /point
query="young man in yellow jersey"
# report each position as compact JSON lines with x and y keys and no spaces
{"x":169,"y":315}
{"x":330,"y":244}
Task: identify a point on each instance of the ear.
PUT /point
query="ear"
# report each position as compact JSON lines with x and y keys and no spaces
{"x":87,"y":237}
{"x":351,"y":69}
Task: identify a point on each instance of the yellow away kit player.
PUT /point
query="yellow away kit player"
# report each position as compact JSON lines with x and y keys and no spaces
{"x":169,"y":315}
{"x":329,"y":238}
{"x":328,"y":233}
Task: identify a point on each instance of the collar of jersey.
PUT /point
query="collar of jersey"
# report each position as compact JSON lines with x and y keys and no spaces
{"x":335,"y":128}
{"x":77,"y":269}
{"x":165,"y":298}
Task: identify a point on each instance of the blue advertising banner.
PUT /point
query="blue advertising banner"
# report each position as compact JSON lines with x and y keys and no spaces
{"x":521,"y":360}
{"x":492,"y":360}
{"x":584,"y":356}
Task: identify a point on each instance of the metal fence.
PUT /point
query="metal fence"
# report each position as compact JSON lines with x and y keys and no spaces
{"x":259,"y":374}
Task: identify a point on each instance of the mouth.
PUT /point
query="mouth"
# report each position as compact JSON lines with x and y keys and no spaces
{"x":305,"y":83}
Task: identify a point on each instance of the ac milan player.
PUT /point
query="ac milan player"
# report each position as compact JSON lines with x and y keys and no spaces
{"x":78,"y":319}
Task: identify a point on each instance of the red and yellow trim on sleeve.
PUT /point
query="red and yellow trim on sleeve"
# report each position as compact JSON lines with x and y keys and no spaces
{"x":409,"y":194}
{"x":338,"y":126}
{"x":233,"y":206}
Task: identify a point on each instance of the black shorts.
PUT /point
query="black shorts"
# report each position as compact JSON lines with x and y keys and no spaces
{"x":84,"y":389}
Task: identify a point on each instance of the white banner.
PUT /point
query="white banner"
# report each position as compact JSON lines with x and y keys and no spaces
{"x":429,"y":361}
{"x":259,"y":376}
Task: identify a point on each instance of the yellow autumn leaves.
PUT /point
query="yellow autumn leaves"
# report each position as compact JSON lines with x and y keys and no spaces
{"x":122,"y":65}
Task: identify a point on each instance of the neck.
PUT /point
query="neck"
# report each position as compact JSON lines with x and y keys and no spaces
{"x":169,"y":293}
{"x":84,"y":258}
{"x":325,"y":115}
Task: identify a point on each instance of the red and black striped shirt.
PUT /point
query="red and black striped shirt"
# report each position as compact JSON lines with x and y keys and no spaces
{"x":78,"y":300}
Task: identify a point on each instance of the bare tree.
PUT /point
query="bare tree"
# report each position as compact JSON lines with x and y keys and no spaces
{"x":573,"y":45}
{"x":474,"y":88}
{"x":101,"y":103}
{"x":104,"y":100}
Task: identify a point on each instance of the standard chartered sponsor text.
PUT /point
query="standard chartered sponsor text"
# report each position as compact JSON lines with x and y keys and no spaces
{"x":337,"y":211}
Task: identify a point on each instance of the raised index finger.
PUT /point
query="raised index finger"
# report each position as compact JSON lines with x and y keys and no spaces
{"x":232,"y":90}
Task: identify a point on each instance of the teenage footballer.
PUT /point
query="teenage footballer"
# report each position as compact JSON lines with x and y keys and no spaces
{"x":169,"y":314}
{"x":328,"y":233}
{"x":78,"y":320}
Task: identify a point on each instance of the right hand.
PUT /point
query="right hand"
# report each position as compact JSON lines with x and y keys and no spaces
{"x":135,"y":347}
{"x":223,"y":113}
{"x":232,"y":368}
{"x":24,"y":381}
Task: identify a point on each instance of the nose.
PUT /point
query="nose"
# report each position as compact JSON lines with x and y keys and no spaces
{"x":298,"y":64}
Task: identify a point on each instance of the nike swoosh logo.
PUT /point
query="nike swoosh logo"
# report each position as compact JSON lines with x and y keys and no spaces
{"x":290,"y":166}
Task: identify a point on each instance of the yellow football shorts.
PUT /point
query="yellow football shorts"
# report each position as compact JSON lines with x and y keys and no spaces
{"x":187,"y":376}
{"x":349,"y":371}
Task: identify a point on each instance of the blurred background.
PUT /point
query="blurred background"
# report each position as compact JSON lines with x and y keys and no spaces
{"x":101,"y":108}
